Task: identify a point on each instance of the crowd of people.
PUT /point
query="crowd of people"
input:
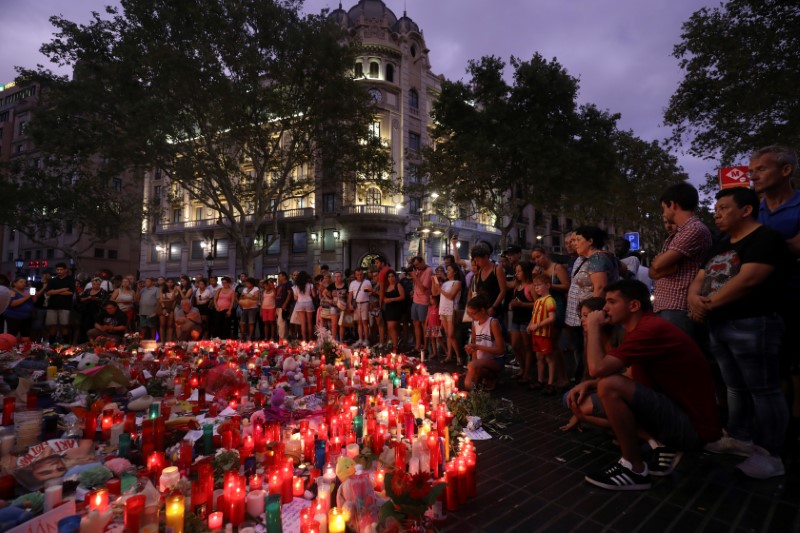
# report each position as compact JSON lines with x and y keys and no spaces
{"x":663,"y":354}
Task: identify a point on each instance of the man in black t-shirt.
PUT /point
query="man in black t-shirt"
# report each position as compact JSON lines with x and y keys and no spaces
{"x":59,"y":302}
{"x":735,"y":293}
{"x":110,"y":322}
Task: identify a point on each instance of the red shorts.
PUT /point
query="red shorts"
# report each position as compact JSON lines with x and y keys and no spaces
{"x":268,"y":314}
{"x":542,"y":344}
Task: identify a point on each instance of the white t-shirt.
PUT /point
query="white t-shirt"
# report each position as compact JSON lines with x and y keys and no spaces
{"x":360,"y":296}
{"x":252,"y":301}
{"x":446,"y":305}
{"x":302,"y":297}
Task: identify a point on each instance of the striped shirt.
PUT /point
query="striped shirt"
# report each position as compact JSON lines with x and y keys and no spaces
{"x":542,"y":308}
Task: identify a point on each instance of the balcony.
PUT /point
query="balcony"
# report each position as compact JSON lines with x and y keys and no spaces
{"x":205,"y":223}
{"x":385,"y":210}
{"x":476,"y":226}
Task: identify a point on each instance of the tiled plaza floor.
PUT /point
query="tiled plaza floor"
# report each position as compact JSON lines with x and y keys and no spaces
{"x":534,"y":482}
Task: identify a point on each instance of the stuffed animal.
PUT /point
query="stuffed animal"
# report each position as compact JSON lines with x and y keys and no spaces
{"x":88,"y":360}
{"x":278,"y":397}
{"x":290,"y":364}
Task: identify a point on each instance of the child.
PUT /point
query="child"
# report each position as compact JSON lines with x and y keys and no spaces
{"x":486,"y":347}
{"x":542,"y":320}
{"x":268,"y":309}
{"x":433,"y":329}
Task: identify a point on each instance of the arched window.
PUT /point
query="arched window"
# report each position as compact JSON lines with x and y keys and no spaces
{"x":374,"y":69}
{"x":390,"y":72}
{"x":359,"y":70}
{"x":413,"y":99}
{"x":373,"y":196}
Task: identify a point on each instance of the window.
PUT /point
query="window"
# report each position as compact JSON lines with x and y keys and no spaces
{"x":112,"y":254}
{"x":538,"y":218}
{"x":38,"y":254}
{"x":50,"y":254}
{"x":374,"y":69}
{"x":99,"y":253}
{"x":275,"y":247}
{"x":157,"y":175}
{"x":569,"y":224}
{"x":390,"y":73}
{"x":375,"y":130}
{"x":522,"y":237}
{"x":413,"y":174}
{"x":413,"y":99}
{"x":116,"y":184}
{"x":1,"y":133}
{"x":221,"y":248}
{"x":12,"y":234}
{"x":413,"y":50}
{"x":328,"y":202}
{"x":299,"y":242}
{"x":175,"y":251}
{"x":23,"y":125}
{"x":198,"y":252}
{"x":27,"y":255}
{"x":413,"y":206}
{"x":414,"y":141}
{"x":176,"y":215}
{"x":198,"y":213}
{"x":157,"y":193}
{"x":555,"y":225}
{"x":373,"y":196}
{"x":154,"y":253}
{"x":328,"y":240}
{"x":359,"y":70}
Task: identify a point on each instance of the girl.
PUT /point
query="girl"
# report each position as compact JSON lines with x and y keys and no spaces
{"x":450,"y":292}
{"x":248,"y":301}
{"x":268,"y":309}
{"x":303,"y":293}
{"x":433,"y":329}
{"x":124,"y":296}
{"x":166,"y":318}
{"x":394,"y":297}
{"x":486,"y":347}
{"x":521,"y":306}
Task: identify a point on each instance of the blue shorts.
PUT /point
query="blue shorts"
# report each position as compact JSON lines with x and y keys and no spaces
{"x":419,"y":312}
{"x":518,"y":328}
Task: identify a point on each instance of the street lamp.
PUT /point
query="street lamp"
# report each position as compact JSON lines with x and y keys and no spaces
{"x":209,"y":264}
{"x":18,"y":262}
{"x":72,"y":266}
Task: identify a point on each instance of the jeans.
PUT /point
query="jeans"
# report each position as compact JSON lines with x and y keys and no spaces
{"x":747,"y":350}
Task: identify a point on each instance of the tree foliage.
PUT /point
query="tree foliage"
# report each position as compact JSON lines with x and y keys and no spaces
{"x":741,"y":63}
{"x":238,"y":102}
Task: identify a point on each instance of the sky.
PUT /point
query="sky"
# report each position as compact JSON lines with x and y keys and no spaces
{"x":620,"y":50}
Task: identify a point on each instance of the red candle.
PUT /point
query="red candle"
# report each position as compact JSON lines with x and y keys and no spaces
{"x":114,"y":486}
{"x":32,"y":398}
{"x":186,"y":449}
{"x":322,"y":431}
{"x":89,"y":426}
{"x":463,"y":488}
{"x":134,"y":508}
{"x":472,"y":489}
{"x":298,"y":487}
{"x":256,"y":482}
{"x":400,"y":456}
{"x":379,"y":476}
{"x":236,"y":504}
{"x":275,"y":481}
{"x":155,"y":463}
{"x":286,"y":486}
{"x":451,"y":476}
{"x":98,"y":500}
{"x":215,"y":521}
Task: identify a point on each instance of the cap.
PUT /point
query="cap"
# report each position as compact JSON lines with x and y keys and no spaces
{"x":513,"y":249}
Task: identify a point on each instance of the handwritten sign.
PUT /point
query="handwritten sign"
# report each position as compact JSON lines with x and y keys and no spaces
{"x":58,"y":446}
{"x":48,"y":522}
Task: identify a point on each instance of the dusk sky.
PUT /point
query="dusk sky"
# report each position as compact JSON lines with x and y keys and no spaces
{"x":620,"y":50}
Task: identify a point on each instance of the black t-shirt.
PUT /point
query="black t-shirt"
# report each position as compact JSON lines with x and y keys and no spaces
{"x":724,"y":261}
{"x":117,"y":319}
{"x":61,"y":301}
{"x":338,"y":295}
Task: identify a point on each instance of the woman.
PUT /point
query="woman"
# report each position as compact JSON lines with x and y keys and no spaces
{"x":303,"y":291}
{"x":248,"y":302}
{"x":394,"y":297}
{"x":124,"y":296}
{"x":91,"y":302}
{"x":19,"y":313}
{"x":592,"y":271}
{"x":185,"y":288}
{"x":224,"y":302}
{"x":486,"y":347}
{"x":268,"y":309}
{"x":202,"y":298}
{"x":166,"y":318}
{"x":450,"y":292}
{"x":559,"y":286}
{"x":324,"y":309}
{"x":491,"y":278}
{"x":521,"y":306}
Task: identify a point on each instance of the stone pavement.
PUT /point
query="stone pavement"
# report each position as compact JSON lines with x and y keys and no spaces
{"x":534,"y":482}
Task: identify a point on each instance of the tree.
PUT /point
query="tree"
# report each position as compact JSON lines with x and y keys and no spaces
{"x":241,"y":103}
{"x":741,"y":63}
{"x":500,"y":147}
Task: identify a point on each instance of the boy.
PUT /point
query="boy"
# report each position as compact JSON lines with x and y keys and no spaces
{"x":542,"y":320}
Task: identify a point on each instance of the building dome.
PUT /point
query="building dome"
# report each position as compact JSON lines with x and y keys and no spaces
{"x":339,"y":16}
{"x":372,"y":9}
{"x":405,"y":25}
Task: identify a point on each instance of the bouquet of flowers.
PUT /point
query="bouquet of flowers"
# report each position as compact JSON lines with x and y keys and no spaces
{"x":65,"y":391}
{"x":409,"y":495}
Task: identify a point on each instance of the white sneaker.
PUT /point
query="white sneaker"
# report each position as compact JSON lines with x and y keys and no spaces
{"x":730,"y":446}
{"x":761,"y":465}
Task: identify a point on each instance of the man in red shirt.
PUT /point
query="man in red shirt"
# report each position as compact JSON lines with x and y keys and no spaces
{"x":668,"y":399}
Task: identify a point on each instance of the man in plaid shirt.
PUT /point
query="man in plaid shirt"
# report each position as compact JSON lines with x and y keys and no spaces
{"x":681,"y":256}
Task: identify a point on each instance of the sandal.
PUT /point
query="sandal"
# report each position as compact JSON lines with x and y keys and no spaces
{"x":535,"y":385}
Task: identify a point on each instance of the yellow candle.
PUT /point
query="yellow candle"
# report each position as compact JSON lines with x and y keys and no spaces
{"x":175,"y":507}
{"x":51,"y":372}
{"x":336,"y":522}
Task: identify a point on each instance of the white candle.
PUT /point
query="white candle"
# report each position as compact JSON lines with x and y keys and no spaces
{"x":352,"y":450}
{"x":116,"y":431}
{"x":255,"y":503}
{"x":52,"y":496}
{"x":170,"y":477}
{"x":322,"y":518}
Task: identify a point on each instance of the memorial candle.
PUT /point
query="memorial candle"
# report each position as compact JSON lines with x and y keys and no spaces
{"x":275,"y":481}
{"x":215,"y":521}
{"x":236,"y":505}
{"x":255,"y":503}
{"x":471,"y":459}
{"x":298,"y":486}
{"x":336,"y":522}
{"x":155,"y":463}
{"x":256,"y":481}
{"x":175,"y":508}
{"x":89,"y":426}
{"x":451,"y":476}
{"x":379,"y":477}
{"x":134,"y":508}
{"x":286,"y":488}
{"x":274,"y":521}
{"x":463,"y":489}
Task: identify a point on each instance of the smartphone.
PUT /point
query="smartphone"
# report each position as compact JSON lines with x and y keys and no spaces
{"x":32,"y":291}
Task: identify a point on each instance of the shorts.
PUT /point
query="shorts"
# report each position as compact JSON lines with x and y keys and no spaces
{"x":419,"y":312}
{"x":518,"y":328}
{"x":148,"y":321}
{"x":361,"y":312}
{"x":57,"y":317}
{"x":335,"y":311}
{"x":249,"y":316}
{"x":657,"y":414}
{"x":542,"y":345}
{"x":304,"y":307}
{"x":268,"y":314}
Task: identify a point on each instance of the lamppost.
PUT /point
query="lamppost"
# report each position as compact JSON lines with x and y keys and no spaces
{"x":209,"y":264}
{"x":72,"y":266}
{"x":18,"y":262}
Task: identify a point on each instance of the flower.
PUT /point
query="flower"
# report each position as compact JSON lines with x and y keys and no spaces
{"x":419,"y":485}
{"x":399,"y":483}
